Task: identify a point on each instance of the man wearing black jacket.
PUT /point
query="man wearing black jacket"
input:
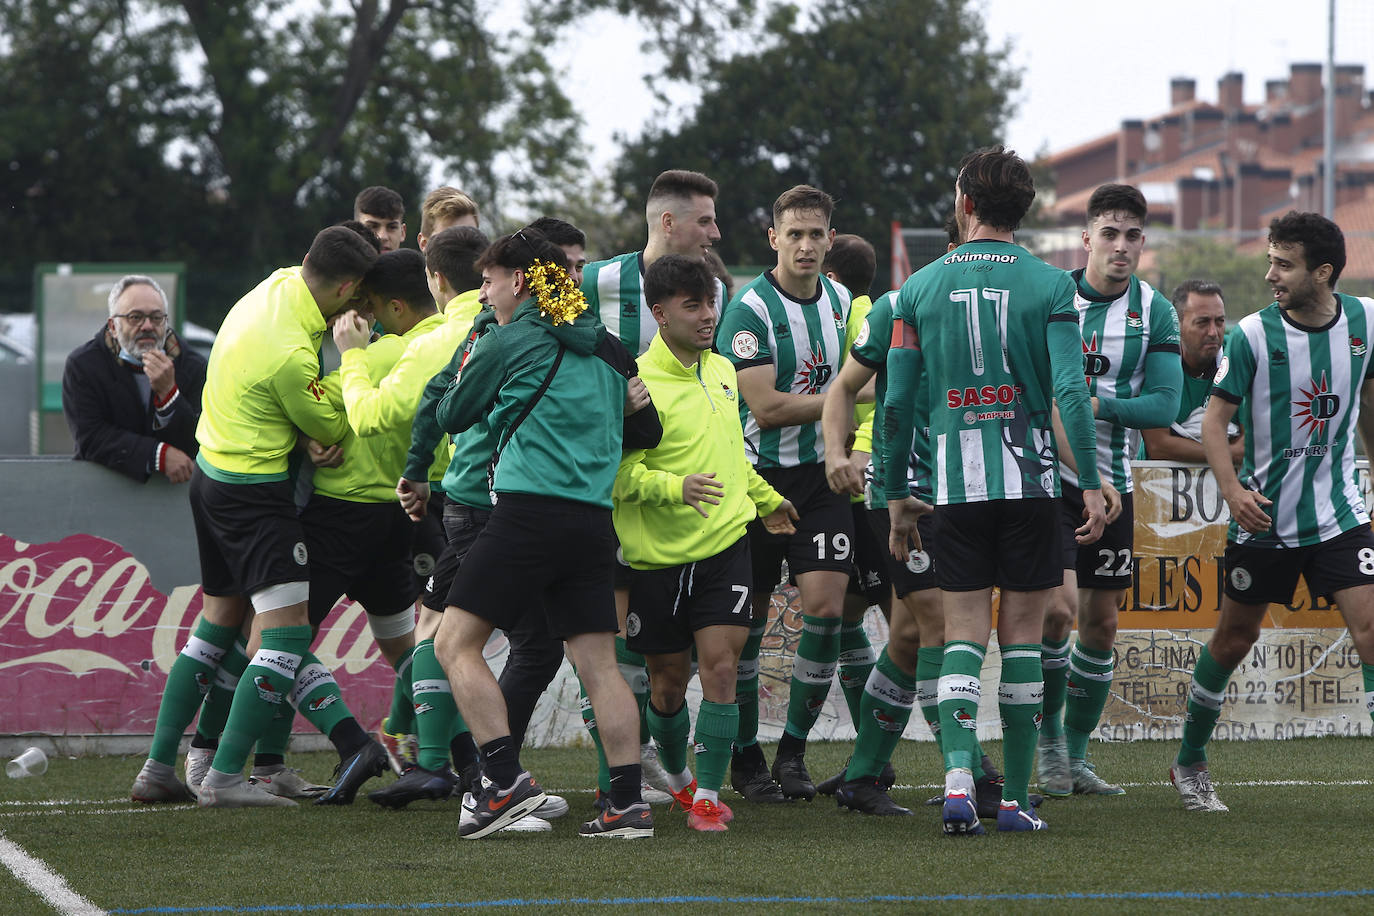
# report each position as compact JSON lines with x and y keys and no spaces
{"x":131,"y":394}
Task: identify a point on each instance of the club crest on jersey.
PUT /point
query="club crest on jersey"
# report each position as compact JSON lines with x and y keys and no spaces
{"x":1095,"y":364}
{"x":1316,"y":406}
{"x":323,"y":702}
{"x":1133,"y":320}
{"x":1241,"y":579}
{"x":729,"y":392}
{"x":918,"y":561}
{"x":314,"y":388}
{"x":745,"y":345}
{"x":814,"y":373}
{"x":266,"y":692}
{"x":1357,"y":346}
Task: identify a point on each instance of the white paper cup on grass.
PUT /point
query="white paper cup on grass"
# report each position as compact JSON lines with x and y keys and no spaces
{"x":33,"y":762}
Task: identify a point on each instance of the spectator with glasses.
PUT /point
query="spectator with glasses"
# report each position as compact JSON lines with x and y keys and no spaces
{"x":131,"y":394}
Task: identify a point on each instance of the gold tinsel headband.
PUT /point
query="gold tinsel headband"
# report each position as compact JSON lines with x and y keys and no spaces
{"x":559,"y":298}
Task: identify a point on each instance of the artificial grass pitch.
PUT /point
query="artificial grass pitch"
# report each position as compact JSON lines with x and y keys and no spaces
{"x":1302,"y":813}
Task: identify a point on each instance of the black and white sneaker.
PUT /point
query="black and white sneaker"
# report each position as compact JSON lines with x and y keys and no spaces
{"x":633,"y":823}
{"x":494,"y":808}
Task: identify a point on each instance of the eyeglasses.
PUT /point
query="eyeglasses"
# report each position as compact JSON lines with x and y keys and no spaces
{"x":137,"y":318}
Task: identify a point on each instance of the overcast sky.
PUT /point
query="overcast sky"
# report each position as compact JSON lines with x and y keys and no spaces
{"x":1086,"y":64}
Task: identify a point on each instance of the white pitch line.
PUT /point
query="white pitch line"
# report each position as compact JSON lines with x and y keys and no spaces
{"x":49,"y":812}
{"x":63,"y":801}
{"x":44,"y":882}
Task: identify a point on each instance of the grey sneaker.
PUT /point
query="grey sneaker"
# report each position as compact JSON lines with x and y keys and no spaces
{"x":1053,"y":767}
{"x":1194,"y":785}
{"x":654,"y":788}
{"x":1087,"y":782}
{"x":554,"y":806}
{"x":240,"y":795}
{"x":285,"y":783}
{"x":151,"y":785}
{"x":198,"y":760}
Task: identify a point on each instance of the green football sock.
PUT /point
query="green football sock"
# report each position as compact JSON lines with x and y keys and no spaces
{"x":929,"y":660}
{"x":435,"y":711}
{"x":747,"y":686}
{"x":400,"y":720}
{"x":603,"y":769}
{"x":187,"y":685}
{"x":315,"y":695}
{"x":1090,"y":683}
{"x":1054,"y":664}
{"x":1019,"y":698}
{"x":961,"y":689}
{"x":1205,"y":696}
{"x":717,"y":725}
{"x":264,"y":687}
{"x":635,"y":671}
{"x":278,"y":734}
{"x":888,"y":697}
{"x":670,"y":733}
{"x":812,"y":671}
{"x":856,"y":663}
{"x":214,"y":712}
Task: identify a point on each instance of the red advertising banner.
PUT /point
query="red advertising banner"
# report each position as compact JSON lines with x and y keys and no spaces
{"x":86,"y":641}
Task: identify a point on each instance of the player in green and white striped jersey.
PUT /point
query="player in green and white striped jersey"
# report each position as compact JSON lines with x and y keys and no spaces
{"x":785,"y":333}
{"x":995,"y":333}
{"x":681,"y":213}
{"x":1131,"y":360}
{"x":1296,"y":373}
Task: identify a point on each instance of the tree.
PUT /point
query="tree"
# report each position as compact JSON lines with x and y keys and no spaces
{"x":875,"y":103}
{"x":1187,"y":256}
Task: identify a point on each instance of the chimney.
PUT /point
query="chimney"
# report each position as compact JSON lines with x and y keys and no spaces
{"x":1349,"y":96}
{"x":1171,"y":139}
{"x":1304,"y":84}
{"x":1130,"y":149}
{"x":1282,"y":137}
{"x":1275,"y":92}
{"x":1182,"y":90}
{"x":1231,"y":92}
{"x":1188,"y":209}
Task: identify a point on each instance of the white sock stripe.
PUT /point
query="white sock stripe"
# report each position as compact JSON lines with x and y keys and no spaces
{"x":404,"y":670}
{"x":1021,"y":653}
{"x":284,"y":663}
{"x":240,"y":649}
{"x":965,"y":647}
{"x":307,"y":679}
{"x":960,"y":687}
{"x":884,"y":688}
{"x":1078,"y":653}
{"x":864,"y":656}
{"x":431,"y":685}
{"x":1054,"y":664}
{"x":1204,"y":697}
{"x":810,"y":671}
{"x":928,"y":691}
{"x":827,"y":627}
{"x":1100,"y":676}
{"x":204,"y":652}
{"x":747,"y":670}
{"x":1028,"y":694}
{"x":1048,"y":649}
{"x":226,"y":681}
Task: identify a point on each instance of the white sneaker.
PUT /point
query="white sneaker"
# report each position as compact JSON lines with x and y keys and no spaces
{"x":554,"y":806}
{"x":528,"y":824}
{"x":284,"y":782}
{"x":1087,"y":782}
{"x":654,"y":774}
{"x":153,"y":786}
{"x":1055,"y":778}
{"x":1194,"y":785}
{"x":198,"y":760}
{"x":240,"y":795}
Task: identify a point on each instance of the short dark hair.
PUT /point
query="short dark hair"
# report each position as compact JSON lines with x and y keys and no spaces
{"x":453,"y":253}
{"x":682,"y":183}
{"x":362,"y":230}
{"x":852,"y":259}
{"x":338,"y":254}
{"x":675,"y":274}
{"x":952,"y":229}
{"x":1118,"y":198}
{"x":1322,"y":240}
{"x":1201,"y":287}
{"x":803,"y":197}
{"x":1000,"y":185}
{"x":520,"y":249}
{"x":400,"y":274}
{"x":379,"y":201}
{"x":560,"y":232}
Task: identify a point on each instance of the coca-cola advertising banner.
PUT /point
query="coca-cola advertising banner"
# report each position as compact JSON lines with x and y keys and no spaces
{"x":86,"y":641}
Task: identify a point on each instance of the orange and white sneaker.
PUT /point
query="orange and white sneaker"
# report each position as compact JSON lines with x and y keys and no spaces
{"x":708,"y":817}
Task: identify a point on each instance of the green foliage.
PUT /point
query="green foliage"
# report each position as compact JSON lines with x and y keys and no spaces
{"x":1196,"y":257}
{"x":873,"y":102}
